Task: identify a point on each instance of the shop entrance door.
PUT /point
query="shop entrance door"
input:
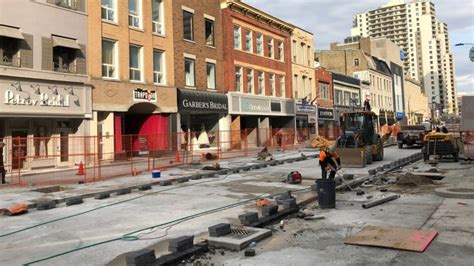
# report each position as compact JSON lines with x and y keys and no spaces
{"x":19,"y":148}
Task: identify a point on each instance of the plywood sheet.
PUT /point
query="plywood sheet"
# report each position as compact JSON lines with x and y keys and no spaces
{"x":393,"y":237}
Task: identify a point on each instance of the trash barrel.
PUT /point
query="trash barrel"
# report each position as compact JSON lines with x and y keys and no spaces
{"x":326,"y":193}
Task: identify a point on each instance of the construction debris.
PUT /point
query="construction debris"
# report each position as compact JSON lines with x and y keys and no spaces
{"x":320,"y":142}
{"x":264,"y":155}
{"x":379,"y":201}
{"x":409,"y":179}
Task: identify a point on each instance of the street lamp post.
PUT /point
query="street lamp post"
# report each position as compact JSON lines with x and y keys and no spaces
{"x":471,"y":51}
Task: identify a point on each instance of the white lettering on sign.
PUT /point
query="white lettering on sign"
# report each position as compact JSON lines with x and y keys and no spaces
{"x":204,"y":105}
{"x":44,"y":100}
{"x":248,"y":107}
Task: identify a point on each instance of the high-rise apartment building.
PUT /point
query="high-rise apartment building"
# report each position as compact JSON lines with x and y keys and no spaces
{"x":425,"y":45}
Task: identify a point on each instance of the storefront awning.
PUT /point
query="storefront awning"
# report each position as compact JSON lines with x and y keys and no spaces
{"x":192,"y":101}
{"x":65,"y":42}
{"x":11,"y":32}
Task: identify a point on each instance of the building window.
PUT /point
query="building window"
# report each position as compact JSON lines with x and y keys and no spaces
{"x":157,"y":16}
{"x":188,"y":27}
{"x":323,"y":90}
{"x":108,"y":9}
{"x":356,"y":61}
{"x":158,"y":68}
{"x":280,"y":50}
{"x":259,"y":43}
{"x":282,"y":86}
{"x":270,"y":47}
{"x":347,"y":98}
{"x":303,"y":86}
{"x":109,"y":59}
{"x":308,"y":56}
{"x":248,"y":41}
{"x":209,"y":28}
{"x":250,"y":80}
{"x":238,"y":78}
{"x":355,"y":98}
{"x":135,"y":63}
{"x":64,"y":59}
{"x":338,"y":97}
{"x":310,"y":89}
{"x":189,"y":72}
{"x":237,"y":37}
{"x":9,"y":48}
{"x":71,"y":4}
{"x":211,"y":75}
{"x":261,"y":83}
{"x":134,"y":11}
{"x":302,"y":53}
{"x":293,"y":48}
{"x":272,"y":84}
{"x":295,"y":86}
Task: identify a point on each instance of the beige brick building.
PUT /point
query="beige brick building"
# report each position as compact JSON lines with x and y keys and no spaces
{"x":416,"y":102}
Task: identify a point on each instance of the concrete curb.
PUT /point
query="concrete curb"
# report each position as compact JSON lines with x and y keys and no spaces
{"x":455,"y":192}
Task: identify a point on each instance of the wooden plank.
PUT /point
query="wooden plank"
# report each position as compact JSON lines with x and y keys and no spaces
{"x":393,"y":237}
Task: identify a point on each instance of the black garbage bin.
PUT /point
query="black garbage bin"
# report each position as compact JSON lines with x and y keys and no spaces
{"x":326,"y":193}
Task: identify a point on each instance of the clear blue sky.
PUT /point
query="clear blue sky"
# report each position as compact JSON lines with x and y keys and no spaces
{"x":331,"y":21}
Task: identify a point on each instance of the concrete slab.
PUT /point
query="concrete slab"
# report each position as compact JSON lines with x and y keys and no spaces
{"x":240,"y":238}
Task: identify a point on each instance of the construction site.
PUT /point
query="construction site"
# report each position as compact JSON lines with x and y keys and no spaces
{"x":271,"y":206}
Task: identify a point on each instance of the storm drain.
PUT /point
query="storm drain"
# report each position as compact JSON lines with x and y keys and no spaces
{"x":239,"y":238}
{"x":240,"y":233}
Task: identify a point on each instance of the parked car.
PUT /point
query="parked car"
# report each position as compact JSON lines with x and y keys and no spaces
{"x":411,"y":135}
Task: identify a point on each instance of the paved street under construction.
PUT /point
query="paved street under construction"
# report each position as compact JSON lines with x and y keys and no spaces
{"x":190,"y":208}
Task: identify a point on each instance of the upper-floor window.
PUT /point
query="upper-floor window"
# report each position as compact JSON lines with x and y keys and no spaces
{"x":259,"y":43}
{"x":323,"y":90}
{"x":282,"y":86}
{"x":250,"y":80}
{"x":188,"y":27}
{"x":71,"y":4}
{"x":347,"y":98}
{"x":209,"y":32}
{"x":248,"y":41}
{"x":64,"y":59}
{"x":303,"y":86}
{"x":9,"y":49}
{"x":211,"y":75}
{"x":189,"y":72}
{"x":310,"y":94}
{"x":293,"y":51}
{"x":108,"y":8}
{"x":135,"y":63}
{"x":158,"y":67}
{"x":295,"y":86}
{"x":302,"y":53}
{"x":270,"y":47}
{"x":308,"y":55}
{"x":109,"y":59}
{"x":356,"y":61}
{"x":134,"y":13}
{"x":280,"y":51}
{"x":261,"y":83}
{"x":272,"y":84}
{"x":157,"y":16}
{"x":238,"y":78}
{"x":237,"y":37}
{"x":338,"y":97}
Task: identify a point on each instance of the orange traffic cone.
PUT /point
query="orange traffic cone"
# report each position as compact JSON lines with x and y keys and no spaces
{"x":176,"y":158}
{"x":80,"y":170}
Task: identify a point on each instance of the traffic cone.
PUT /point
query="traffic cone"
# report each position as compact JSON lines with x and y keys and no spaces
{"x":176,"y":158}
{"x":80,"y":170}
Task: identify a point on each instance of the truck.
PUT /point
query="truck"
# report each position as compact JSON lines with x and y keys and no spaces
{"x":411,"y":135}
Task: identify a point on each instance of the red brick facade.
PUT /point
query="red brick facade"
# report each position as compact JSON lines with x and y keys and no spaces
{"x":251,"y":60}
{"x":322,"y":75}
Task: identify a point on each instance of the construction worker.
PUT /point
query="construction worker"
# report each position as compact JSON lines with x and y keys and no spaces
{"x":329,"y":160}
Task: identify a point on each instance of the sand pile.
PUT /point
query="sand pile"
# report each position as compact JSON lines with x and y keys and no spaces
{"x":409,"y":179}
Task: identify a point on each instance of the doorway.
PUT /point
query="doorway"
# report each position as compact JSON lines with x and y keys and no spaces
{"x":19,"y":148}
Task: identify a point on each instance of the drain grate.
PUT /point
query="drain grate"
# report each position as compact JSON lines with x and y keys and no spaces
{"x":240,"y":233}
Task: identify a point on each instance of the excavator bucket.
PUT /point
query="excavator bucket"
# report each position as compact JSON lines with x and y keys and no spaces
{"x":352,"y":157}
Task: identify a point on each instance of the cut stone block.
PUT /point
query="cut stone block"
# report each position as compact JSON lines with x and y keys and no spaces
{"x":124,"y":191}
{"x":46,"y":205}
{"x":219,"y":230}
{"x":144,"y":187}
{"x":196,"y":177}
{"x":289,"y":203}
{"x":248,"y":218}
{"x":142,"y":257}
{"x":269,"y":210}
{"x":165,"y":183}
{"x":249,"y":252}
{"x":182,"y":241}
{"x":74,"y":201}
{"x":102,"y":195}
{"x":182,"y":179}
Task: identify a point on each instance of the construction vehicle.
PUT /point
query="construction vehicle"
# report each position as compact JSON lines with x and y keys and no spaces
{"x":359,"y":144}
{"x":441,"y":145}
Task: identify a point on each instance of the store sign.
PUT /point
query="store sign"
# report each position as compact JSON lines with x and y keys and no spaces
{"x":305,"y":108}
{"x":42,"y":99}
{"x":325,"y":114}
{"x":275,"y":106}
{"x":142,"y":95}
{"x":255,"y":105}
{"x":203,"y":102}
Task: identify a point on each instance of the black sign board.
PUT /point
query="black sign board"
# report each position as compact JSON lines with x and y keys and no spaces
{"x":190,"y":101}
{"x":276,"y":106}
{"x":325,"y":114}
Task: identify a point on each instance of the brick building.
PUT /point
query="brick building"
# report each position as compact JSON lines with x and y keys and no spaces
{"x":257,"y":72}
{"x":131,"y":69}
{"x":325,"y":102}
{"x":199,"y":71}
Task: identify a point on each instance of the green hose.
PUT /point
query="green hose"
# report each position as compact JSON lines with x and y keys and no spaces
{"x":129,"y":237}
